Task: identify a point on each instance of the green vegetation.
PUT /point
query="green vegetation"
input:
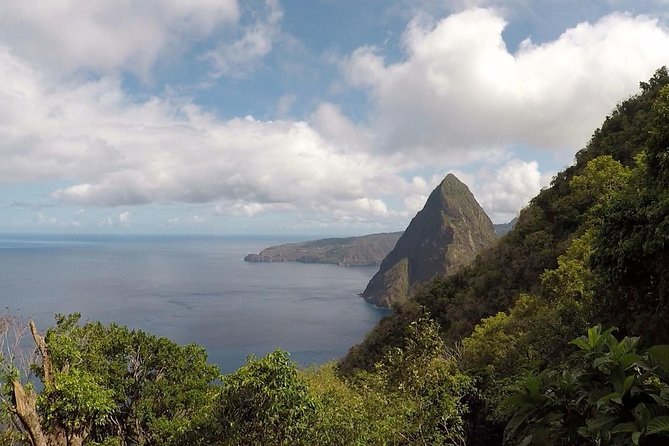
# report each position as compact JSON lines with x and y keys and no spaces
{"x":608,"y":394}
{"x":492,"y":355}
{"x":108,"y":385}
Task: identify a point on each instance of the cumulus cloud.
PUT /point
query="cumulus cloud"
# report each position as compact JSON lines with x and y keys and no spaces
{"x":459,"y":96}
{"x":239,"y":58}
{"x":107,"y":36}
{"x":329,"y":120}
{"x":118,"y":152}
{"x":460,"y":91}
{"x":505,"y":189}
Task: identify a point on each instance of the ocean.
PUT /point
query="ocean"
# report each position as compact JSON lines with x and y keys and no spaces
{"x":190,"y":289}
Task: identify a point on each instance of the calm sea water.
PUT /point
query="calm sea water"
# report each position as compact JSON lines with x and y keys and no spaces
{"x":190,"y":289}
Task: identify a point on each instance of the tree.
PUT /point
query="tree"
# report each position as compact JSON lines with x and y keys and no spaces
{"x":103,"y":383}
{"x":264,"y":402}
{"x":631,"y":250}
{"x":424,"y":390}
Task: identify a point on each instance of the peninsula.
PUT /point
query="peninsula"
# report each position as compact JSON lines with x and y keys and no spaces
{"x":367,"y":250}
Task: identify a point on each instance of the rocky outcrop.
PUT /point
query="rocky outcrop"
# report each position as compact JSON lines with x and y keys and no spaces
{"x":367,"y":250}
{"x":445,"y":235}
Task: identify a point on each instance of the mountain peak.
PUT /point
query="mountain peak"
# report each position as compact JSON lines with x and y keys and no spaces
{"x":445,"y":235}
{"x":451,"y":178}
{"x":451,"y":184}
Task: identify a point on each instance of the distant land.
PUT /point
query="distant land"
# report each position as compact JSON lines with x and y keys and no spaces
{"x":366,"y":250}
{"x":503,"y":228}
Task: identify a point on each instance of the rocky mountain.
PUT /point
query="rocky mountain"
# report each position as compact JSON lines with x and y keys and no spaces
{"x":367,"y":250}
{"x":445,"y":235}
{"x":502,"y":228}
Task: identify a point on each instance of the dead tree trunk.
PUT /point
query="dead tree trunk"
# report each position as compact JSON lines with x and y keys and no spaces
{"x":25,"y":401}
{"x":25,"y":408}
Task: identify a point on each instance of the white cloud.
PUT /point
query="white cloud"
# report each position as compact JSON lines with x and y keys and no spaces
{"x":414,"y":203}
{"x":460,"y":91}
{"x":190,"y":220}
{"x":459,"y":96}
{"x":43,"y":220}
{"x":329,"y":120}
{"x":124,"y":218}
{"x":107,"y":36}
{"x":116,"y":152}
{"x":503,"y":190}
{"x":239,"y":58}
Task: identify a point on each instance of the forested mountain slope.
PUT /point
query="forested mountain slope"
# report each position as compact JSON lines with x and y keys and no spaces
{"x":543,"y":232}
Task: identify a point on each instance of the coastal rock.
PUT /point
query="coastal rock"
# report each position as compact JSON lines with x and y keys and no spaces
{"x":444,"y":236}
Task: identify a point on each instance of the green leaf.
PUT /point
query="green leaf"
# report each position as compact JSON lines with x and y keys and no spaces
{"x":593,"y":335}
{"x":596,"y":424}
{"x":624,"y":427}
{"x":660,"y":355}
{"x":642,"y":415}
{"x":580,"y":343}
{"x":658,"y":425}
{"x":635,"y":438}
{"x":516,"y":421}
{"x":600,"y":361}
{"x":629,"y":381}
{"x":607,"y":399}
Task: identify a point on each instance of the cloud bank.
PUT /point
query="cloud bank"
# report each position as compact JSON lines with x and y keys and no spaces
{"x":104,"y":36}
{"x":119,"y":152}
{"x":460,"y":88}
{"x":459,"y":97}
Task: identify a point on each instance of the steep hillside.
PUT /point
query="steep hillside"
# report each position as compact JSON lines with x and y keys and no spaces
{"x":443,"y":237}
{"x":514,"y":265}
{"x":367,"y":250}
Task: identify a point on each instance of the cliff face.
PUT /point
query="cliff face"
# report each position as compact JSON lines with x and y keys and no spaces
{"x":367,"y":250}
{"x":445,"y":235}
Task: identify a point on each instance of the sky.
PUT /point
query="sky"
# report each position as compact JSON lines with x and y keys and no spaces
{"x":320,"y":117}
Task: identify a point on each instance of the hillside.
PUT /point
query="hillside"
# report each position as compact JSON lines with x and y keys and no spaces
{"x":444,"y":236}
{"x":515,"y":264}
{"x":367,"y":250}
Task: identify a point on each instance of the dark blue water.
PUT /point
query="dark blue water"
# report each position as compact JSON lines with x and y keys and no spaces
{"x":190,"y":289}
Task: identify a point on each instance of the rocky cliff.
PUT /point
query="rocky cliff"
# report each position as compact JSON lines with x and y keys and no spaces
{"x":367,"y":250}
{"x":445,"y":235}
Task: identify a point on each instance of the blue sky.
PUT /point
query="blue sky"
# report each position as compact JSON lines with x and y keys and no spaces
{"x":300,"y":117}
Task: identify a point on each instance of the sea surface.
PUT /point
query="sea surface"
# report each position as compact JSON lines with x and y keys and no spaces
{"x":190,"y":289}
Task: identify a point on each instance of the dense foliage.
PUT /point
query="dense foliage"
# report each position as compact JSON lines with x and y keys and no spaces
{"x":608,"y":394}
{"x":492,"y":355}
{"x":108,"y":385}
